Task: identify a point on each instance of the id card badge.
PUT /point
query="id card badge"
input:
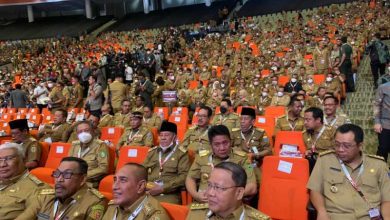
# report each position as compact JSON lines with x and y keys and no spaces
{"x":374,"y":214}
{"x":254,"y":149}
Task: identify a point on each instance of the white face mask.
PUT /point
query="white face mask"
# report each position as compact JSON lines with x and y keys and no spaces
{"x":329,"y":79}
{"x":50,"y":85}
{"x":293,"y":80}
{"x":274,"y":82}
{"x":280,"y":94}
{"x":264,"y":94}
{"x":256,"y":83}
{"x":310,"y":81}
{"x":84,"y":137}
{"x":172,"y":78}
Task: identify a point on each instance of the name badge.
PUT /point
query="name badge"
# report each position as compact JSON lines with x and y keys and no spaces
{"x":43,"y":216}
{"x":374,"y":213}
{"x":255,"y":150}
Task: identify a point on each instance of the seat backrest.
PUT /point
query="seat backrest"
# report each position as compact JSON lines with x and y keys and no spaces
{"x":111,"y":159}
{"x":22,"y":111}
{"x":47,"y":119}
{"x":162,"y":112}
{"x":291,"y":138}
{"x":264,"y":121}
{"x":4,"y":126}
{"x":19,"y":116}
{"x":12,"y":110}
{"x":45,"y":111}
{"x":175,"y":212}
{"x":274,"y":111}
{"x":45,"y":149}
{"x":182,"y":124}
{"x":58,"y":150}
{"x":133,"y":154}
{"x":7,"y":117}
{"x":35,"y":118}
{"x":105,"y":186}
{"x":180,"y":110}
{"x":283,"y":187}
{"x":283,"y":80}
{"x":156,"y":138}
{"x":193,"y":84}
{"x":34,"y":111}
{"x":112,"y":134}
{"x":318,"y":78}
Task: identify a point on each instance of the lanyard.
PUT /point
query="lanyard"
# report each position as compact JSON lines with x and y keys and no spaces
{"x":250,"y":137}
{"x":289,"y":124}
{"x":162,"y":162}
{"x":211,"y":161}
{"x":81,"y":154}
{"x":131,"y":136}
{"x":210,"y":213}
{"x":59,"y":216}
{"x":313,"y":146}
{"x":331,"y":123}
{"x":136,"y":211}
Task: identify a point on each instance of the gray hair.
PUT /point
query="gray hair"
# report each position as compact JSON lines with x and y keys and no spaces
{"x":17,"y":147}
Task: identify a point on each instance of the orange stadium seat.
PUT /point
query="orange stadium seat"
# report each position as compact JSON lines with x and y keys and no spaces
{"x":156,"y":139}
{"x":23,"y":111}
{"x":180,"y":110}
{"x":3,"y":110}
{"x":162,"y":112}
{"x":193,"y":84}
{"x":265,"y":121}
{"x":7,"y":117}
{"x":4,"y":126}
{"x":265,"y":73}
{"x":283,"y":80}
{"x":35,"y":119}
{"x":19,"y":116}
{"x":34,"y":133}
{"x":112,"y":134}
{"x":175,"y":212}
{"x":111,"y":159}
{"x":47,"y":119}
{"x":318,"y":78}
{"x":12,"y":110}
{"x":275,"y":111}
{"x":33,"y":111}
{"x":45,"y":149}
{"x":291,"y":138}
{"x":4,"y":141}
{"x":283,"y":187}
{"x":45,"y":111}
{"x":75,"y":110}
{"x":182,"y":124}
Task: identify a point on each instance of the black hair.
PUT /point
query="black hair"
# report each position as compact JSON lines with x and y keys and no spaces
{"x":218,"y":130}
{"x":238,"y":173}
{"x":317,"y":113}
{"x":336,"y":100}
{"x":83,"y":166}
{"x":208,"y":109}
{"x":229,"y":103}
{"x":355,"y":129}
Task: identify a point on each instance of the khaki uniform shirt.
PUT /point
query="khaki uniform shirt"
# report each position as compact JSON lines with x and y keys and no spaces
{"x":55,"y":133}
{"x":196,"y":139}
{"x":280,"y":101}
{"x":333,"y":86}
{"x":262,"y":103}
{"x":96,"y":156}
{"x":172,"y":174}
{"x":18,"y":193}
{"x":337,"y":121}
{"x":142,"y":137}
{"x":322,"y":143}
{"x":85,"y":204}
{"x":204,"y":162}
{"x":33,"y":149}
{"x":232,"y":120}
{"x":316,"y":102}
{"x":342,"y":202}
{"x":118,"y":92}
{"x":256,"y":138}
{"x":76,"y":93}
{"x":201,"y":211}
{"x":284,"y":123}
{"x":151,"y":210}
{"x":311,"y":89}
{"x":153,"y":122}
{"x":106,"y":121}
{"x":121,"y":120}
{"x":321,"y":59}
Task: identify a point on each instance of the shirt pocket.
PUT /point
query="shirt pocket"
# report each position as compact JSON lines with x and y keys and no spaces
{"x":370,"y":188}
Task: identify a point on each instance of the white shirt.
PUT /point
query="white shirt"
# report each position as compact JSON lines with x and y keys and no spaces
{"x":43,"y":94}
{"x":129,"y":73}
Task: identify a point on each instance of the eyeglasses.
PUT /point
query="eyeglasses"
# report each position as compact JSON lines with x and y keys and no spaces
{"x":7,"y":159}
{"x":202,"y":116}
{"x":346,"y":146}
{"x":65,"y":175}
{"x":217,"y":188}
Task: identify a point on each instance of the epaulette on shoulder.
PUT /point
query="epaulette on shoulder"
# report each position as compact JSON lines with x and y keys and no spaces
{"x":198,"y":206}
{"x":326,"y":152}
{"x":203,"y":153}
{"x":236,"y":129}
{"x":96,"y":193}
{"x":47,"y":192}
{"x":260,"y":129}
{"x":192,"y":127}
{"x":76,"y":142}
{"x":240,"y":153}
{"x":280,"y":117}
{"x":99,"y":141}
{"x":255,"y":214}
{"x":182,"y":149}
{"x":111,"y":202}
{"x":35,"y":180}
{"x":152,"y":148}
{"x":376,"y":157}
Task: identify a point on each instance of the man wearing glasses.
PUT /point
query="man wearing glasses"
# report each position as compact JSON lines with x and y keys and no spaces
{"x":225,"y":191}
{"x":221,"y":145}
{"x":18,"y":188}
{"x":349,"y":184}
{"x":71,"y":198}
{"x":332,"y":117}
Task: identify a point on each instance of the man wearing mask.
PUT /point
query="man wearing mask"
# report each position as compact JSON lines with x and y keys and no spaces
{"x":292,"y":121}
{"x":55,"y":132}
{"x":280,"y":98}
{"x":71,"y":197}
{"x":32,"y":148}
{"x":332,"y":85}
{"x":130,"y":198}
{"x":91,"y":149}
{"x":309,"y":86}
{"x":293,"y":86}
{"x":226,"y":117}
{"x":332,"y":117}
{"x":273,"y":87}
{"x":136,"y":134}
{"x":122,"y":119}
{"x":18,"y":188}
{"x":264,"y":100}
{"x":167,"y":166}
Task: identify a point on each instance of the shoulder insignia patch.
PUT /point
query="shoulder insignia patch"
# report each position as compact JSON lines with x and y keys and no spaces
{"x":240,"y":153}
{"x":192,"y":127}
{"x":236,"y":129}
{"x":260,"y":129}
{"x":283,"y":116}
{"x":203,"y":153}
{"x":35,"y":179}
{"x":152,"y":148}
{"x":96,"y":193}
{"x":76,"y":142}
{"x":197,"y":206}
{"x":376,"y":157}
{"x":182,"y":149}
{"x":111,"y":202}
{"x":326,"y":152}
{"x":47,"y":192}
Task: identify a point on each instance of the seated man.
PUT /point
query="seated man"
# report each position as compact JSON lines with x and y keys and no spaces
{"x":293,"y":86}
{"x":332,"y":85}
{"x":332,"y":117}
{"x":340,"y":189}
{"x":167,"y":166}
{"x":263,"y":101}
{"x":71,"y":198}
{"x":122,"y":119}
{"x":151,"y":120}
{"x":54,"y":132}
{"x":91,"y":149}
{"x":31,"y":147}
{"x":18,"y":188}
{"x":221,"y":145}
{"x":72,"y":130}
{"x":280,"y":98}
{"x":136,"y":134}
{"x":130,"y":198}
{"x":106,"y":119}
{"x":292,"y":121}
{"x":139,"y":104}
{"x":195,"y":139}
{"x":318,"y":100}
{"x":224,"y":193}
{"x":226,"y":117}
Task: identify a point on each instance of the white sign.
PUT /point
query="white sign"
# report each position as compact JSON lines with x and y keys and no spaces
{"x":261,"y":120}
{"x":111,"y":130}
{"x":60,"y":150}
{"x":285,"y":166}
{"x":132,"y":153}
{"x":169,"y":96}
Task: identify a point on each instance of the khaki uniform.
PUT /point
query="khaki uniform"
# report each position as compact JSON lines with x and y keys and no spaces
{"x":342,"y":202}
{"x":106,"y":121}
{"x":196,"y":139}
{"x":151,"y":210}
{"x":76,"y":93}
{"x":152,"y":122}
{"x":311,"y":89}
{"x":321,"y":143}
{"x":336,"y":122}
{"x":33,"y":149}
{"x":138,"y":109}
{"x":72,"y":132}
{"x":204,"y":162}
{"x":256,"y":137}
{"x":201,"y":211}
{"x":118,"y":92}
{"x":86,"y":203}
{"x":232,"y":120}
{"x":55,"y":95}
{"x":316,"y":101}
{"x":54,"y":133}
{"x":321,"y":60}
{"x":334,"y":86}
{"x":96,"y":156}
{"x":121,"y":120}
{"x":172,"y":174}
{"x":141,"y":137}
{"x":262,"y":103}
{"x":18,"y":193}
{"x":280,"y":101}
{"x":284,"y":123}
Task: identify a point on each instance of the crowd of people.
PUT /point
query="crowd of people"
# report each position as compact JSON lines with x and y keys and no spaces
{"x":119,"y":78}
